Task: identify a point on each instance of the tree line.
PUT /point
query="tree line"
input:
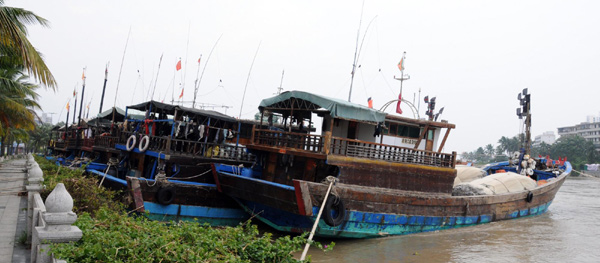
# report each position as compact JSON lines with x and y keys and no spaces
{"x":18,"y":61}
{"x":577,"y":149}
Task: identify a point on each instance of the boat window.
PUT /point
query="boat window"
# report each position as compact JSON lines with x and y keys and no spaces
{"x":399,"y":130}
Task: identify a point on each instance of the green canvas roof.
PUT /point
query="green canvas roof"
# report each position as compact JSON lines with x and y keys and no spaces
{"x":337,"y":108}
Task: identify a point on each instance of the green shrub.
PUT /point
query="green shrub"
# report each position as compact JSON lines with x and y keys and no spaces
{"x":110,"y":234}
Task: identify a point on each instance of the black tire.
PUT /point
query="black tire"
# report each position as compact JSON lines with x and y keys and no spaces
{"x":529,"y":197}
{"x":165,"y":195}
{"x":113,"y":171}
{"x":334,"y":203}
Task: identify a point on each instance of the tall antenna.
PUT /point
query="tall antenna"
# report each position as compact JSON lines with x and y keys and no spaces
{"x":355,"y":52}
{"x":119,"y":80}
{"x":280,"y":88}
{"x":156,"y":80}
{"x":244,"y":96}
{"x":201,"y":75}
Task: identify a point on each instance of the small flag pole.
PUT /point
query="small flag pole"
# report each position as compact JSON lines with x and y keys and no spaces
{"x":401,"y":79}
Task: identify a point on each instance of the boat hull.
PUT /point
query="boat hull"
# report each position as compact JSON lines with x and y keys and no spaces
{"x":375,"y":212}
{"x":199,"y":202}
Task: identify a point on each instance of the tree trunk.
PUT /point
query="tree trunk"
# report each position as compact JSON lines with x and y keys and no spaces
{"x":3,"y":138}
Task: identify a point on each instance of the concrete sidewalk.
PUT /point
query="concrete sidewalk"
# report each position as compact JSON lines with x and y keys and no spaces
{"x":13,"y":206}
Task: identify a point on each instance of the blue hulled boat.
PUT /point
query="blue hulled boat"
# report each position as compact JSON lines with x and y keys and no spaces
{"x":391,"y":176}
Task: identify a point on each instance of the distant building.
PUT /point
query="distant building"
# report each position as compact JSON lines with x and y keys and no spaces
{"x":46,"y":118}
{"x":546,"y":137}
{"x":589,"y":130}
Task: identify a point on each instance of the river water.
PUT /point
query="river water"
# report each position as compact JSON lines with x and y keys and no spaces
{"x":568,"y":232}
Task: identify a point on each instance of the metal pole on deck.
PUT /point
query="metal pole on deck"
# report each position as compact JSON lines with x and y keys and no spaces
{"x":314,"y":228}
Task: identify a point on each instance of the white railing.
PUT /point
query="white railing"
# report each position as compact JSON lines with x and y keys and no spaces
{"x":51,"y":221}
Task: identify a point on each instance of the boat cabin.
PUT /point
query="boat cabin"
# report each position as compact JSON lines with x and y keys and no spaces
{"x":357,"y":144}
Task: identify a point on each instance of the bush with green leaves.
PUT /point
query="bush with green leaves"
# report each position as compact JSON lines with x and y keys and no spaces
{"x":111,"y":234}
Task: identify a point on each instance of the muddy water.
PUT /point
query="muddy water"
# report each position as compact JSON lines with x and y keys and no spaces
{"x":568,"y":232}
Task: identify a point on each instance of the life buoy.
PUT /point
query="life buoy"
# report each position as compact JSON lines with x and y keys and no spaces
{"x":144,"y":143}
{"x":165,"y":195}
{"x":529,"y":197}
{"x":130,"y":143}
{"x":334,"y":205}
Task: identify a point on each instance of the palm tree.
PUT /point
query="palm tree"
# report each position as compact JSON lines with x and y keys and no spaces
{"x":15,"y":48}
{"x":18,"y":100}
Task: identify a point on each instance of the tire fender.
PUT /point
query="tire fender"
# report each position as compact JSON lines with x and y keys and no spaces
{"x":144,"y":143}
{"x":334,"y":202}
{"x":165,"y":195}
{"x":130,"y":143}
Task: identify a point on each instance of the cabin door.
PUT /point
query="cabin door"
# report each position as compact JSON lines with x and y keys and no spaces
{"x":352,"y":126}
{"x":429,"y":141}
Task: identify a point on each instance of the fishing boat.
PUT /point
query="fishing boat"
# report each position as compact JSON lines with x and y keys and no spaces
{"x":371,"y":174}
{"x":165,"y":162}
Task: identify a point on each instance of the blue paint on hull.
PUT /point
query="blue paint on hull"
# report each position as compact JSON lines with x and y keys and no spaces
{"x":360,"y":224}
{"x":108,"y":177}
{"x":214,"y":216}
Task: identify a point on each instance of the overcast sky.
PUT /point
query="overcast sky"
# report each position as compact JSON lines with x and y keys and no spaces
{"x":474,"y":56}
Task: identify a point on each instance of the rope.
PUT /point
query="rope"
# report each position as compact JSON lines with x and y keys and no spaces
{"x":586,"y":175}
{"x":191,"y":177}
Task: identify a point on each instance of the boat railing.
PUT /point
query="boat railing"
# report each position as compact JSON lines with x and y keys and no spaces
{"x":73,"y":142}
{"x":88,"y":142}
{"x":211,"y":150}
{"x":301,"y":141}
{"x":105,"y":141}
{"x":390,"y":153}
{"x":188,"y":147}
{"x":60,"y":145}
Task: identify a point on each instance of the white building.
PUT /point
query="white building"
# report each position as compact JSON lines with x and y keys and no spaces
{"x":546,"y":137}
{"x":588,"y":130}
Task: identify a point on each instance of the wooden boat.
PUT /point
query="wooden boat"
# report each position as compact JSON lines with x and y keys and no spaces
{"x":168,"y":167}
{"x":392,"y":184}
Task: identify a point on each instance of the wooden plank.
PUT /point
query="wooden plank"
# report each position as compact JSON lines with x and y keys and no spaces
{"x":444,"y":141}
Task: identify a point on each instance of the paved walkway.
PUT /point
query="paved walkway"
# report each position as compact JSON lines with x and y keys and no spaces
{"x":13,"y":208}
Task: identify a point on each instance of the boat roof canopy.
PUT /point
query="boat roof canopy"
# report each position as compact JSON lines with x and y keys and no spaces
{"x":170,"y":109}
{"x":337,"y":108}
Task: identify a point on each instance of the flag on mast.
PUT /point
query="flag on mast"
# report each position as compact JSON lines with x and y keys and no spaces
{"x":68,"y":107}
{"x":181,"y":95}
{"x":401,"y":64}
{"x":370,"y":101}
{"x":398,"y":109}
{"x":178,"y":66}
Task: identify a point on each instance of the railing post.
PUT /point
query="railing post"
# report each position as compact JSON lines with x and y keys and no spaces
{"x":34,"y":179}
{"x":327,"y":142}
{"x":252,"y":135}
{"x":57,"y":226}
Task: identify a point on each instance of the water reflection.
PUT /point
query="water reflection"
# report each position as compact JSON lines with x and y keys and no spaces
{"x":568,"y":232}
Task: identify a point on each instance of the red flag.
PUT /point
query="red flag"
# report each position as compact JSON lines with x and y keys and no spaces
{"x":401,"y":64}
{"x":74,"y":93}
{"x":199,"y":60}
{"x":181,"y":95}
{"x":398,"y":110}
{"x":178,"y":66}
{"x":370,"y":101}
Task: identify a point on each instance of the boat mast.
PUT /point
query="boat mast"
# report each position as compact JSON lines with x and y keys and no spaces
{"x":355,"y":53}
{"x":118,"y":82}
{"x":280,"y":88}
{"x":82,"y":93}
{"x":525,"y":111}
{"x":198,"y":81}
{"x":104,"y":87}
